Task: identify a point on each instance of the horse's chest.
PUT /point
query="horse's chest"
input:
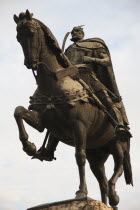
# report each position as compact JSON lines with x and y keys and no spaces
{"x":59,"y":123}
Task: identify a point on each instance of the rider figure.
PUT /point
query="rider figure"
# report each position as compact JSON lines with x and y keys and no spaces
{"x":95,"y":52}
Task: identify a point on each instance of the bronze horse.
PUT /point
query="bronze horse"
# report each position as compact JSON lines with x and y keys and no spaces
{"x":63,"y":106}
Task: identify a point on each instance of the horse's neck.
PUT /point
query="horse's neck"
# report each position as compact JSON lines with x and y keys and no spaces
{"x":49,"y":58}
{"x":49,"y":63}
{"x":47,"y":83}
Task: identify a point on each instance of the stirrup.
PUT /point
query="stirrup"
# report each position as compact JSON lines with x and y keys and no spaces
{"x":43,"y":154}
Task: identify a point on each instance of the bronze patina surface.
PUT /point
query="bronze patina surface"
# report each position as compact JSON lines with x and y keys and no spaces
{"x":77,"y":100}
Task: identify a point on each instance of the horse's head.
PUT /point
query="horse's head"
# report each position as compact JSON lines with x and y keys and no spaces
{"x":29,"y":35}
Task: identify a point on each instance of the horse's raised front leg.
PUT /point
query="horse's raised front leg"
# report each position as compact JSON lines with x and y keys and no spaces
{"x":96,"y":159}
{"x":118,"y":156}
{"x":33,"y":119}
{"x":80,"y":146}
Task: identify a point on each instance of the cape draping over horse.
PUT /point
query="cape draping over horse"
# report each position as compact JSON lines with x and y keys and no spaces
{"x":63,"y":106}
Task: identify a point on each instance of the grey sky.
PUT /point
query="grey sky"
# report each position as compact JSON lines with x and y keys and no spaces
{"x":25,"y":182}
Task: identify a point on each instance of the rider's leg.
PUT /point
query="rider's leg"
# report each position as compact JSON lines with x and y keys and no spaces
{"x":48,"y":152}
{"x":115,"y":109}
{"x":102,"y":94}
{"x":121,"y":108}
{"x":120,"y":129}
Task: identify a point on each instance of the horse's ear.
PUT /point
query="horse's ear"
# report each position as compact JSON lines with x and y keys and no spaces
{"x":16,"y":19}
{"x":28,"y":15}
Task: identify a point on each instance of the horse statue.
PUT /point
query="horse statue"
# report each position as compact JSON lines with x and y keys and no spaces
{"x":63,"y":106}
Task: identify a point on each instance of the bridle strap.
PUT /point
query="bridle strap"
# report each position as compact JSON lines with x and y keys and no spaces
{"x":37,"y":54}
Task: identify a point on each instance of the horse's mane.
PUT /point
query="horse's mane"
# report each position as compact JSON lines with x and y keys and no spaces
{"x":53,"y":44}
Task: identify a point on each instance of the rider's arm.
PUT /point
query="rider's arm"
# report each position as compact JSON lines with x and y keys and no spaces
{"x":103,"y":59}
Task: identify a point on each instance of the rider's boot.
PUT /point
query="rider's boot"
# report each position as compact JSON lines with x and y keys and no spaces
{"x":48,"y":152}
{"x":50,"y":148}
{"x":120,"y":130}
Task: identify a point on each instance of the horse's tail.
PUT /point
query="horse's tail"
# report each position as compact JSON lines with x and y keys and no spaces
{"x":127,"y":165}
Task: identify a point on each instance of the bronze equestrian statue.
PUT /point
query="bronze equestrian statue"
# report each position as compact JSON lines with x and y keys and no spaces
{"x":77,"y":101}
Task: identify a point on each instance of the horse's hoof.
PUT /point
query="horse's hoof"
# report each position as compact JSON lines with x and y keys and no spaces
{"x":80,"y":194}
{"x":114,"y":200}
{"x":115,"y":207}
{"x":29,"y":148}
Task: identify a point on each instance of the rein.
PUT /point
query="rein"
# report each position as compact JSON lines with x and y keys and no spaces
{"x":40,"y":63}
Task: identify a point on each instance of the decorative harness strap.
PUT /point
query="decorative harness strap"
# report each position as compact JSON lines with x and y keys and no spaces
{"x":50,"y":102}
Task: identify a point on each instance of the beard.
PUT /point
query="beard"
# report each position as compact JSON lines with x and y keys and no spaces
{"x":76,"y":38}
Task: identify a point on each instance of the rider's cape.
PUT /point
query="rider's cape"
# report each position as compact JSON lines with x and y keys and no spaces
{"x":93,"y":47}
{"x":104,"y":74}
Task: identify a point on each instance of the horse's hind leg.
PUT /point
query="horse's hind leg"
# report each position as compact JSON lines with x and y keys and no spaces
{"x":96,"y":161}
{"x":118,"y":156}
{"x":79,"y":131}
{"x":33,"y":119}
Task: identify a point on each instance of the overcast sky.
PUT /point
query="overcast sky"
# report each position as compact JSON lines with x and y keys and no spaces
{"x":25,"y":182}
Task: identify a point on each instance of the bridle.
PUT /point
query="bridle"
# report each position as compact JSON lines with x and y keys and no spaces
{"x":38,"y":29}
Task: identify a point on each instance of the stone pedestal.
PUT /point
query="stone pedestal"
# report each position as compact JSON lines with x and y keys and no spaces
{"x":73,"y":204}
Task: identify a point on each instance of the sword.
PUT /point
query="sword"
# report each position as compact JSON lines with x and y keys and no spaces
{"x":64,"y":41}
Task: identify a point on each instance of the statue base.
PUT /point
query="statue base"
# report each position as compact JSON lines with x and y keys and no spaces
{"x":73,"y":204}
